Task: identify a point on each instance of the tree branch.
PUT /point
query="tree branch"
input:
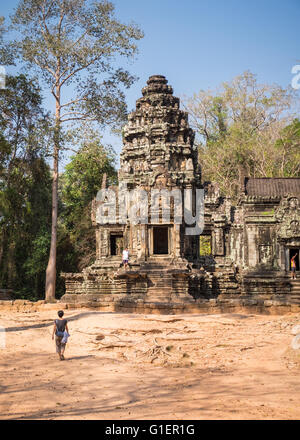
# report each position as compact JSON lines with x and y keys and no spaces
{"x":73,"y":102}
{"x":82,"y":118}
{"x":62,"y":15}
{"x":44,"y":67}
{"x":77,"y":70}
{"x":73,"y":113}
{"x":50,"y":6}
{"x":76,"y":42}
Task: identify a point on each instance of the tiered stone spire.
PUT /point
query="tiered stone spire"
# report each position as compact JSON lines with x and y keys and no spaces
{"x":158,"y":142}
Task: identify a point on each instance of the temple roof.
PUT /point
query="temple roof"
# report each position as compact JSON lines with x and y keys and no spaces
{"x":272,"y":186}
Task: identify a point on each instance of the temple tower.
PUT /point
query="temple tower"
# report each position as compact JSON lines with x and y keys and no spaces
{"x":158,"y":153}
{"x":158,"y":140}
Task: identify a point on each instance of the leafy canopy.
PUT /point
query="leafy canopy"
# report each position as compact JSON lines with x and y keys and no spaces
{"x":78,"y":43}
{"x":238,"y":129}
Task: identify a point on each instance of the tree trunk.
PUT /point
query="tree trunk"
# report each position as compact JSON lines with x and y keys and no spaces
{"x":51,"y":268}
{"x":11,"y":264}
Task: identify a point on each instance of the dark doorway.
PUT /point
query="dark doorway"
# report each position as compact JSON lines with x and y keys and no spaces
{"x":116,"y":244}
{"x":160,"y":240}
{"x":292,"y":253}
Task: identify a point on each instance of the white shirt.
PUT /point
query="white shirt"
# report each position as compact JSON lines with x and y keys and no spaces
{"x":125,"y":255}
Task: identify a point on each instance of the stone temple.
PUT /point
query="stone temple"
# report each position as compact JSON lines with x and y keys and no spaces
{"x":240,"y":258}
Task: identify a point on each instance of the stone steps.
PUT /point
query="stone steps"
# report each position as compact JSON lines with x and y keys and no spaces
{"x":159,"y":290}
{"x":164,"y":289}
{"x":160,"y":285}
{"x":295,"y":286}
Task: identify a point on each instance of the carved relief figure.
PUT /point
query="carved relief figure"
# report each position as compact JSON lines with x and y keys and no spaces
{"x":189,"y":165}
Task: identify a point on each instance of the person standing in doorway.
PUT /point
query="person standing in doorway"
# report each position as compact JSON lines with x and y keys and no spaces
{"x":125,"y":257}
{"x":293,"y":266}
{"x":60,"y":326}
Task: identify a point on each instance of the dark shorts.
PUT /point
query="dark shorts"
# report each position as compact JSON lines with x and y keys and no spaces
{"x":293,"y":269}
{"x":125,"y":261}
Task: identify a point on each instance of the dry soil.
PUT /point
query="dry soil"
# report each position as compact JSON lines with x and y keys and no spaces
{"x":125,"y":366}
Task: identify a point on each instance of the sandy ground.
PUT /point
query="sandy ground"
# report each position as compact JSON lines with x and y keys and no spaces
{"x":122,"y":366}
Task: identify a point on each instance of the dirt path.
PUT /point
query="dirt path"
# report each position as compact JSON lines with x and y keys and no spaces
{"x":119,"y":366}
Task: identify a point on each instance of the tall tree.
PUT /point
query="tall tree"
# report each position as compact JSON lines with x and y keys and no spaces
{"x":238,"y":128}
{"x":287,"y":148}
{"x":77,"y":45}
{"x":24,"y":178}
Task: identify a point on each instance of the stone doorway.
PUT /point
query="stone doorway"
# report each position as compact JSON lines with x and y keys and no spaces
{"x":160,"y":240}
{"x":293,"y":252}
{"x":116,"y":244}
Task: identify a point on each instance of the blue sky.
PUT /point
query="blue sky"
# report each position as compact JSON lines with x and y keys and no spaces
{"x":198,"y":44}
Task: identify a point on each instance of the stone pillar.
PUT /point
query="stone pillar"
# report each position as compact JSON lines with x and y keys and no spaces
{"x":218,"y":248}
{"x":170,"y":241}
{"x":141,"y":232}
{"x":287,"y":259}
{"x":176,"y":246}
{"x":104,"y":243}
{"x":281,"y":256}
{"x":218,"y":235}
{"x":150,"y":241}
{"x":98,"y":244}
{"x":252,"y":249}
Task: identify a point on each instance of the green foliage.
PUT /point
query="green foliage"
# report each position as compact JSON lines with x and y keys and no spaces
{"x":83,"y":175}
{"x":74,"y":43}
{"x":271,"y":212}
{"x":25,"y":127}
{"x":288,"y":150}
{"x":79,"y":185}
{"x":205,"y":245}
{"x":39,"y":254}
{"x":23,"y":237}
{"x":25,"y":187}
{"x":6,"y":53}
{"x":25,"y":194}
{"x":244,"y":129}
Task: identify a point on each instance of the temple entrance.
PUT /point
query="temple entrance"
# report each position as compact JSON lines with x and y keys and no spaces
{"x":116,"y":244}
{"x":292,"y":253}
{"x":160,"y":240}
